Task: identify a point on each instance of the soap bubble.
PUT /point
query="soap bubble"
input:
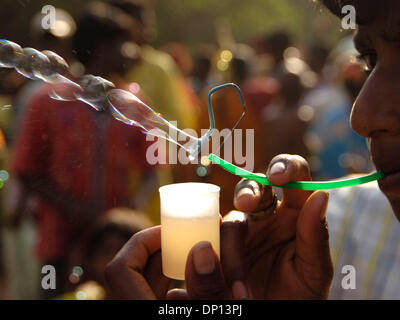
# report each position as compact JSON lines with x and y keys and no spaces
{"x":34,"y":65}
{"x":4,"y":175}
{"x":128,"y":108}
{"x":94,"y":91}
{"x":64,"y":89}
{"x":10,"y":53}
{"x":58,"y":64}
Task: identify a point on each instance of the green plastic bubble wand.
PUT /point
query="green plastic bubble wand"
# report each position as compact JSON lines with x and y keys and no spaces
{"x":298,"y":185}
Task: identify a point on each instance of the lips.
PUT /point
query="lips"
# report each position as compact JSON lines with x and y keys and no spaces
{"x":385,"y":153}
{"x":391,"y":183}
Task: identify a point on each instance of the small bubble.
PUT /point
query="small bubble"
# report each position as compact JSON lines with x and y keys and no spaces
{"x":77,"y":270}
{"x":64,"y":89}
{"x":95,"y":91}
{"x":201,"y":171}
{"x":73,"y":278}
{"x":205,"y":161}
{"x":58,"y":64}
{"x":34,"y":65}
{"x":4,"y":175}
{"x":10,"y":53}
{"x":80,"y":295}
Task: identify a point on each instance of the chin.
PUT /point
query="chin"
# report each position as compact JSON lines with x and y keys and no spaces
{"x":390,"y":186}
{"x":395,"y":203}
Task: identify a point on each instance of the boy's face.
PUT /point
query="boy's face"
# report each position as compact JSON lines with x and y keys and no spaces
{"x":376,"y":111}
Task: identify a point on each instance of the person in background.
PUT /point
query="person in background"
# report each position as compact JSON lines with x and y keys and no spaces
{"x":76,"y":162}
{"x":227,"y":111}
{"x":337,"y":149}
{"x":21,"y":265}
{"x":159,"y":77}
{"x":200,"y":75}
{"x":281,"y":119}
{"x":106,"y":237}
{"x":157,"y":73}
{"x":273,"y":45}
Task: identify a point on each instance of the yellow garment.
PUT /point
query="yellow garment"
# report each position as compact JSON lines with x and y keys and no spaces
{"x":160,"y":79}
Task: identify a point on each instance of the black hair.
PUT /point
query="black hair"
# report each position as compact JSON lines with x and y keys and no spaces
{"x":135,"y":9}
{"x":369,"y":11}
{"x":277,"y":42}
{"x":99,"y":24}
{"x":120,"y":222}
{"x":366,"y":10}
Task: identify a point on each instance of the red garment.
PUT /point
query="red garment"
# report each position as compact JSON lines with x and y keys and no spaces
{"x":61,"y":142}
{"x":259,"y":91}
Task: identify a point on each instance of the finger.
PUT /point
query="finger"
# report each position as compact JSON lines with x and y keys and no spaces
{"x":136,"y":252}
{"x":233,"y":236}
{"x":251,"y":196}
{"x":177,"y":294}
{"x":124,"y":273}
{"x":286,"y":168}
{"x":312,"y":254}
{"x":154,"y":276}
{"x":203,"y":275}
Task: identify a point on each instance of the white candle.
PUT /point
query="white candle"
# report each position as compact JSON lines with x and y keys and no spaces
{"x":189,"y":214}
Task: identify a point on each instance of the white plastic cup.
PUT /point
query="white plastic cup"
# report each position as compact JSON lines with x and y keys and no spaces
{"x":189,"y":214}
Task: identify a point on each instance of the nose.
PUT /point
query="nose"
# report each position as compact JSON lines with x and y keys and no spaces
{"x":376,"y":110}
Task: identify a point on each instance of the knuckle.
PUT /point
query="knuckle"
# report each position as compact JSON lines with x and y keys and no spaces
{"x":209,"y":289}
{"x":113,"y":270}
{"x":300,"y":162}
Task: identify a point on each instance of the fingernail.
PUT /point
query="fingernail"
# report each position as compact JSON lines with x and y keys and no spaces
{"x":276,"y":168}
{"x":239,"y":290}
{"x":245,"y":192}
{"x":203,"y":258}
{"x":322,"y":198}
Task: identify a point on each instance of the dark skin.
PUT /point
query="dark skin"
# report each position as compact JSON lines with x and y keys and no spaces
{"x":378,"y":122}
{"x":287,"y":254}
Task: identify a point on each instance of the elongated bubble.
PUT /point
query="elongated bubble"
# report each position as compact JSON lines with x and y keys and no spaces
{"x":33,"y":64}
{"x":64,"y":89}
{"x":10,"y":53}
{"x":94,"y":91}
{"x":128,"y":108}
{"x":58,"y":65}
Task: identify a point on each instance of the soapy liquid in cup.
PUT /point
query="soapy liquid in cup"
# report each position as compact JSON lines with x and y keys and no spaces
{"x":189,"y":214}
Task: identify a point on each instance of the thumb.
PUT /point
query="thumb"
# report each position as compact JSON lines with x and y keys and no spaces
{"x":312,"y":256}
{"x":203,"y":275}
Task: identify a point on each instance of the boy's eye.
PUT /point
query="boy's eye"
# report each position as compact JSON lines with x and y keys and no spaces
{"x":368,"y":60}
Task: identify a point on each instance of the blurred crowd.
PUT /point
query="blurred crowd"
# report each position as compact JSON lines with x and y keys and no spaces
{"x":75,"y":182}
